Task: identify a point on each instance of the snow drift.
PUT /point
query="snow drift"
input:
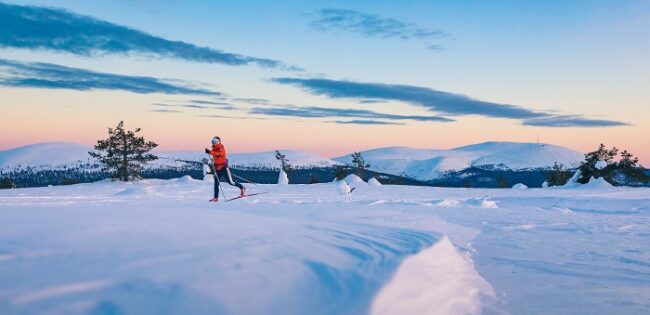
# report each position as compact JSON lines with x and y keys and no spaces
{"x":436,"y":281}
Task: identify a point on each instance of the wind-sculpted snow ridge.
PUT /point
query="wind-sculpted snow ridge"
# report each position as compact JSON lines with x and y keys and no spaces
{"x":158,"y":247}
{"x":438,"y":280}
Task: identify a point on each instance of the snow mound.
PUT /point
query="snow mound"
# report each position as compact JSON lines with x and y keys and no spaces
{"x":438,"y":280}
{"x":374,"y":182}
{"x":601,"y":165}
{"x":486,"y":203}
{"x":186,"y":179}
{"x":449,"y":202}
{"x":597,"y":183}
{"x":519,"y":186}
{"x":353,"y":180}
{"x":136,"y":191}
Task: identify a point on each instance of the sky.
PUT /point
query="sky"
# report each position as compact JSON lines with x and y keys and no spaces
{"x":329,"y":77}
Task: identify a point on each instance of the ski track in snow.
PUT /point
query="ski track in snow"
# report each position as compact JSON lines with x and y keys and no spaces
{"x":158,"y":247}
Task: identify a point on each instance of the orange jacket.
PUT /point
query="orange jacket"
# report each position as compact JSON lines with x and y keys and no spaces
{"x":219,"y":156}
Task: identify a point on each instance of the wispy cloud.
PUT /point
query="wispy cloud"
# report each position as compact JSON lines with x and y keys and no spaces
{"x":371,"y":25}
{"x":322,"y":112}
{"x":195,"y":104}
{"x":166,"y":111}
{"x":209,"y":102}
{"x":255,"y":101}
{"x":365,"y":122}
{"x":32,"y":27}
{"x":445,"y":103}
{"x":572,"y":121}
{"x":52,"y":76}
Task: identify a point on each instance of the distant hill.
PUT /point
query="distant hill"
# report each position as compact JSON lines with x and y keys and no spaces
{"x":480,"y":165}
{"x":57,"y":155}
{"x":432,"y":164}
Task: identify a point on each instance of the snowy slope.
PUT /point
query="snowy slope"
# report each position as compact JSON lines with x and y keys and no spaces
{"x":522,"y":155}
{"x":158,"y":247}
{"x":45,"y":155}
{"x":427,"y":164}
{"x":57,"y":155}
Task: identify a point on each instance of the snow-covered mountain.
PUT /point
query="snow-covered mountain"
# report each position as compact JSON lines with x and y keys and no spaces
{"x":52,"y":155}
{"x":420,"y":164}
{"x":427,"y":164}
{"x":58,"y":155}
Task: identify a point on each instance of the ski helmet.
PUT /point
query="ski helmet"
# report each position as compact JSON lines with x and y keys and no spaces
{"x":216,"y":140}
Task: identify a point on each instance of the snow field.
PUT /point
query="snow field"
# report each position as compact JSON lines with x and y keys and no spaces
{"x":158,"y":246}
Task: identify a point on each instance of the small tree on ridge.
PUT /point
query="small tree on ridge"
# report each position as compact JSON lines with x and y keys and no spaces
{"x":123,"y":153}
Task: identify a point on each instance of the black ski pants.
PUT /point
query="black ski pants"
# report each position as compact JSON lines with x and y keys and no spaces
{"x":224,"y":173}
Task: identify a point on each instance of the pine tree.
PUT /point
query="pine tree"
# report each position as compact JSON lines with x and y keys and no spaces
{"x":632,"y":173}
{"x":557,"y":176}
{"x":359,"y":164}
{"x":341,"y":171}
{"x":7,"y":182}
{"x":588,"y":167}
{"x":284,"y":161}
{"x":123,"y":153}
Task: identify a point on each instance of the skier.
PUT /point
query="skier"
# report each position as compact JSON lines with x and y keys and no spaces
{"x":221,"y":168}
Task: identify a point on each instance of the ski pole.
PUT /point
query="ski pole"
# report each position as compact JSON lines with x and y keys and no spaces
{"x":242,"y":178}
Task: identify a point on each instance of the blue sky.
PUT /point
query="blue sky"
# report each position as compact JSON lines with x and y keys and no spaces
{"x":497,"y":70}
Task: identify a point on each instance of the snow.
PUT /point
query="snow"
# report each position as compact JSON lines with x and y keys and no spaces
{"x":421,"y":164}
{"x":283,"y":179}
{"x":597,"y":183}
{"x":353,"y":180}
{"x":374,"y":182}
{"x":519,"y":186}
{"x":437,"y":281}
{"x":573,"y":181}
{"x":600,"y":165}
{"x":343,"y":187}
{"x":427,"y":164}
{"x":158,"y":246}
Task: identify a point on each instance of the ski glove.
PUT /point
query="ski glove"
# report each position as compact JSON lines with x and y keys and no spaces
{"x":207,"y":151}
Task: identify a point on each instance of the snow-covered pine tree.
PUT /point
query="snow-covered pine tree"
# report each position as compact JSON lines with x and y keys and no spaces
{"x":588,"y":167}
{"x":285,"y":168}
{"x":123,"y":153}
{"x":284,"y":161}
